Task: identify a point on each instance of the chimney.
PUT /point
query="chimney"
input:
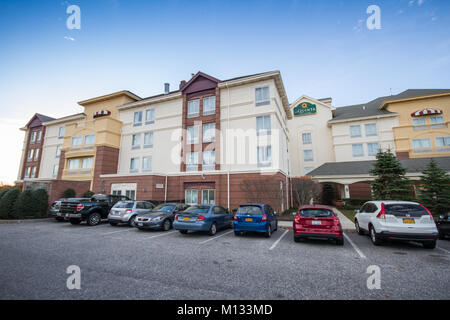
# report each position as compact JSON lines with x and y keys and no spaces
{"x":182,"y":84}
{"x":166,"y":88}
{"x":327,"y":101}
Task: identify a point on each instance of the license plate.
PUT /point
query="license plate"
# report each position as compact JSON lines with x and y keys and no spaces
{"x":409,"y":221}
{"x":187,"y":219}
{"x":248,"y":219}
{"x":140,"y":224}
{"x":316,"y":223}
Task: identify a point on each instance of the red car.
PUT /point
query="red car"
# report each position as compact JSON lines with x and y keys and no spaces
{"x":315,"y":221}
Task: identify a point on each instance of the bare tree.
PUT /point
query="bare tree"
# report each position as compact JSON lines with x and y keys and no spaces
{"x":305,"y":190}
{"x":263,"y":191}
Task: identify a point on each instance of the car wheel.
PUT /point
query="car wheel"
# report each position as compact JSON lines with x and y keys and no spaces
{"x":166,"y":225}
{"x":429,"y":245}
{"x":94,"y":219}
{"x":441,"y":236}
{"x":237,"y":233}
{"x":75,"y":221}
{"x":298,"y":239}
{"x":113,"y":223}
{"x":268,"y":233}
{"x":340,"y":242}
{"x":358,"y":229}
{"x":183,"y":231}
{"x":276,"y":226}
{"x":374,"y":237}
{"x":132,"y":221}
{"x":213,"y":229}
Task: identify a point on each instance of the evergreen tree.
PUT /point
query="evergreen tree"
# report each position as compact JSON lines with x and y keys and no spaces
{"x":390,"y":182}
{"x":7,"y":203}
{"x":88,"y":194}
{"x":69,"y":193}
{"x":40,"y":200}
{"x":435,"y":192}
{"x":25,"y":205}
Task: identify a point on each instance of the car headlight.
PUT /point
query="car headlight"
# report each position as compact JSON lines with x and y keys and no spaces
{"x":157,"y":218}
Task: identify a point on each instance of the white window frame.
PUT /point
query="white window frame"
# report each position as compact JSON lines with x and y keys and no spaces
{"x":36,"y":154}
{"x":357,"y":155}
{"x":150,"y":113}
{"x":55,"y":170}
{"x":135,"y":160}
{"x":306,"y":157}
{"x":212,"y":110}
{"x":437,"y":121}
{"x":188,"y":193}
{"x":209,"y":160}
{"x":193,"y":112}
{"x":306,"y":141}
{"x":90,"y":137}
{"x":33,"y":172}
{"x":30,"y":154}
{"x":147,"y":160}
{"x":27,"y":172}
{"x":371,"y":154}
{"x":352,"y":135}
{"x":39,"y":136}
{"x":33,"y":137}
{"x":58,"y":150}
{"x":76,"y":139}
{"x":264,"y":156}
{"x":263,"y":125}
{"x":73,"y":161}
{"x":209,"y":127}
{"x":262,"y":96}
{"x":87,"y":163}
{"x":419,"y":123}
{"x":150,"y":144}
{"x":192,"y":137}
{"x":208,"y":196}
{"x":368,"y":134}
{"x":192,"y":161}
{"x":136,"y":141}
{"x":137,"y":122}
{"x":61,"y":132}
{"x":445,"y":142}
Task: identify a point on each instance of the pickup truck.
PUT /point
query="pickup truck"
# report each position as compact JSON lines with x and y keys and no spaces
{"x":90,"y":210}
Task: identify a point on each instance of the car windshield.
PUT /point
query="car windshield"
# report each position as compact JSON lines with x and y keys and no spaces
{"x":197,"y":209}
{"x":124,"y":205}
{"x":316,"y":213}
{"x":405,"y":210}
{"x":249,"y":210}
{"x":164,"y":208}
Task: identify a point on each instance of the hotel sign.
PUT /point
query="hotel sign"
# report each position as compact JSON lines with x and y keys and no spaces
{"x":305,"y":108}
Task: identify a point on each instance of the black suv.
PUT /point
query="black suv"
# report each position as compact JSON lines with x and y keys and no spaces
{"x":91,"y":210}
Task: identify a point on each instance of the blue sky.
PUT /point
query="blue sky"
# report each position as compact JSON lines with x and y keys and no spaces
{"x":322,"y":48}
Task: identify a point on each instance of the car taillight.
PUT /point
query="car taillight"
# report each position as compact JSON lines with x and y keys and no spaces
{"x":235,"y":217}
{"x":80,"y":207}
{"x":201,"y":218}
{"x":336,"y":222}
{"x":429,"y":213}
{"x":128,"y":210}
{"x":297,"y":218}
{"x":176,"y":217}
{"x":264,"y":217}
{"x":381,"y":214}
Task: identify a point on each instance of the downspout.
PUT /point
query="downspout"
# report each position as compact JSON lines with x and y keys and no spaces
{"x":228,"y":165}
{"x":165,"y":190}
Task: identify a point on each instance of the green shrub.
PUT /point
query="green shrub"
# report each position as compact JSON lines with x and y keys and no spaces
{"x":88,"y":194}
{"x":7,"y":203}
{"x":40,"y":201}
{"x":25,"y":205}
{"x":69,"y":193}
{"x":3,"y":192}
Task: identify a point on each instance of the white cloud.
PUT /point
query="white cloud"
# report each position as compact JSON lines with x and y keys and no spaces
{"x":69,"y":38}
{"x":419,"y":2}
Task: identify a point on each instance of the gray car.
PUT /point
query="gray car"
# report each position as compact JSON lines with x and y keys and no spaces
{"x":126,"y":211}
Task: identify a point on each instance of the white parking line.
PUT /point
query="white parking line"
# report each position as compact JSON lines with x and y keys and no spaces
{"x":355,"y":247}
{"x":446,"y":251}
{"x":216,"y":237}
{"x":113,"y":232}
{"x":158,"y":235}
{"x":278,"y":240}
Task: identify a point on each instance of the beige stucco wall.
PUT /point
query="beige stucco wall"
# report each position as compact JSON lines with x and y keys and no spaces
{"x":316,"y":124}
{"x":404,"y":131}
{"x":49,"y":159}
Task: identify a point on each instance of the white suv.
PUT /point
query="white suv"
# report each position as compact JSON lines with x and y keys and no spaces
{"x":397,"y":220}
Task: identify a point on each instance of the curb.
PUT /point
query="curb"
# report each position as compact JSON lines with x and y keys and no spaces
{"x":24,"y":221}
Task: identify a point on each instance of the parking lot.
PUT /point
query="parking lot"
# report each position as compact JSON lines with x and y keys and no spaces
{"x":126,"y":263}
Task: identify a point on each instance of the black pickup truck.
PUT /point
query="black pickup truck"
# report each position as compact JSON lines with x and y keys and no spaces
{"x":90,"y":210}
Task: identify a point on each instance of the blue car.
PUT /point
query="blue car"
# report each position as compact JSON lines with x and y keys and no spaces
{"x":255,"y":217}
{"x":203,"y":217}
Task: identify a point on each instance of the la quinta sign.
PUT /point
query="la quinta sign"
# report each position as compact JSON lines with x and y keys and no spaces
{"x":305,"y":108}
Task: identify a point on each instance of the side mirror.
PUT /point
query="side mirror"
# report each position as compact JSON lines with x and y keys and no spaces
{"x":294,"y":213}
{"x":357,"y":211}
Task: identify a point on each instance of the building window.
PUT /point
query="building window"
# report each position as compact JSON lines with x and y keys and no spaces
{"x":262,"y":96}
{"x":137,"y":119}
{"x":358,"y":150}
{"x":419,"y":124}
{"x":55,"y":170}
{"x":264,"y":156}
{"x":36,"y":154}
{"x":148,"y":140}
{"x":33,"y":137}
{"x":27,"y":172}
{"x":39,"y":136}
{"x":61,"y":132}
{"x":147,"y":164}
{"x":422,"y":145}
{"x":308,"y":155}
{"x":150,"y":116}
{"x":89,"y":139}
{"x":443,"y":142}
{"x":131,"y":194}
{"x":74,"y":164}
{"x":192,"y":135}
{"x":77,"y":141}
{"x":192,"y":161}
{"x":371,"y":129}
{"x":33,"y":172}
{"x":355,"y":131}
{"x":191,"y":196}
{"x":209,"y":161}
{"x":86,"y":163}
{"x":58,"y":150}
{"x":209,"y":196}
{"x":209,"y":132}
{"x":263,"y":125}
{"x":134,"y":165}
{"x":307,"y":138}
{"x":437,"y":122}
{"x":372,"y":149}
{"x":136,"y":141}
{"x":30,"y":154}
{"x":193,"y":108}
{"x":209,"y":105}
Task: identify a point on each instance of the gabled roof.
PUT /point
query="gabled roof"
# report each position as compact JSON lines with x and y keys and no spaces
{"x":196,"y":76}
{"x":375,"y":108}
{"x":317,"y":101}
{"x":41,"y":118}
{"x":110,"y":96}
